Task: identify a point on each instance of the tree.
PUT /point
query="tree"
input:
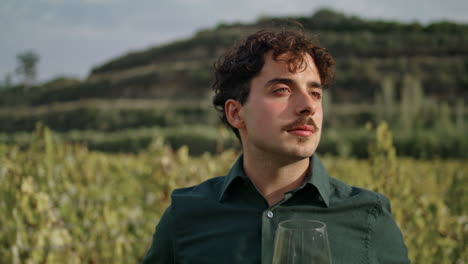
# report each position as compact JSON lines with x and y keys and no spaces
{"x":412,"y":100}
{"x":27,"y":67}
{"x":385,"y":100}
{"x":6,"y":82}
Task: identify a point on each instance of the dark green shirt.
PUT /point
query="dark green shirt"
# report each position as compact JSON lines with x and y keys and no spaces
{"x":226,"y":220}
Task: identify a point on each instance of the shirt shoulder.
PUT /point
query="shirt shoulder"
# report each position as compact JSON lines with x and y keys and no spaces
{"x":208,"y":190}
{"x":343,"y":192}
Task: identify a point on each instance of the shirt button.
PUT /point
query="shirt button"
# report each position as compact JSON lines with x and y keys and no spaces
{"x":270,"y":214}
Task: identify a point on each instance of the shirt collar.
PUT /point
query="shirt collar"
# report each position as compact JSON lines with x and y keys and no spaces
{"x":318,"y":177}
{"x":237,"y":171}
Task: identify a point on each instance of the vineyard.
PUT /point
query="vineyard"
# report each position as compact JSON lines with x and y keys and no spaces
{"x":63,"y":203}
{"x":142,"y":124}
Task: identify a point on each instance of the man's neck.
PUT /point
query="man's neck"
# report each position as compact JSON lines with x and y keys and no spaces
{"x":274,"y":178}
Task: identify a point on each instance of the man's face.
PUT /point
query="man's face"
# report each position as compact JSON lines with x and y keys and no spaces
{"x":283,"y":113}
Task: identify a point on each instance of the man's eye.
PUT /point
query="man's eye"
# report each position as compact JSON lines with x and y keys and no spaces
{"x":282,"y":90}
{"x":317,"y":95}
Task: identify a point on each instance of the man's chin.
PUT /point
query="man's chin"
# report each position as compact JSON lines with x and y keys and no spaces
{"x":302,"y":154}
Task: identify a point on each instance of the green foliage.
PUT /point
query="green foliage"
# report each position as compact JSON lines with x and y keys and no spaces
{"x":61,"y":81}
{"x":27,"y":66}
{"x":382,"y":157}
{"x":432,"y":130}
{"x":62,"y":203}
{"x":107,"y":115}
{"x":428,"y":201}
{"x":200,"y":139}
{"x":411,"y":103}
{"x":385,"y":101}
{"x":343,"y":142}
{"x":330,"y":20}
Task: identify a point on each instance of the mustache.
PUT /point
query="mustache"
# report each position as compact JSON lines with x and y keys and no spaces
{"x":303,"y":120}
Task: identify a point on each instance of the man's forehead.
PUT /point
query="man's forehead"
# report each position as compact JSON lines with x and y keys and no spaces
{"x":294,"y":62}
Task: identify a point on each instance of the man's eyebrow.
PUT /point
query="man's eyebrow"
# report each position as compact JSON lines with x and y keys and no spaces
{"x":279,"y":80}
{"x":314,"y":85}
{"x":291,"y":82}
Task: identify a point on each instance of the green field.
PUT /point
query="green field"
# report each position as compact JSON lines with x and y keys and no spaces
{"x":142,"y":124}
{"x":63,"y":203}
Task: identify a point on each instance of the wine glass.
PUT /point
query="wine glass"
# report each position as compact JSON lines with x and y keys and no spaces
{"x":301,"y":241}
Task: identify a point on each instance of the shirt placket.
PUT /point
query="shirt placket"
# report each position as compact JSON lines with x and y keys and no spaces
{"x":270,"y":221}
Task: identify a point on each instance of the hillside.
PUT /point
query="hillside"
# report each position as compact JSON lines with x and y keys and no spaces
{"x":366,"y":51}
{"x":414,"y":77}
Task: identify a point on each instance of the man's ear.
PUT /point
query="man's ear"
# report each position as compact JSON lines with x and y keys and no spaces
{"x":233,"y":111}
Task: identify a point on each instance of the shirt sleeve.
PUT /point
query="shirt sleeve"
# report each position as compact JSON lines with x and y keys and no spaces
{"x":387,"y":244}
{"x":162,"y":247}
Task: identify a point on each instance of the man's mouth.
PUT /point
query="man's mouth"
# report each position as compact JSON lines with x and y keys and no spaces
{"x":303,"y":130}
{"x":304,"y":127}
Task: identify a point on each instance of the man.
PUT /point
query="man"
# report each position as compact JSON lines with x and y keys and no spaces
{"x":269,"y":90}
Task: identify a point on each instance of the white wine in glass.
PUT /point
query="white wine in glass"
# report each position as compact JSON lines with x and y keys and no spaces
{"x":300,"y":242}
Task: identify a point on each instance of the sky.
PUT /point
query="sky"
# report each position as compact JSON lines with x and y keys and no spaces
{"x":73,"y":36}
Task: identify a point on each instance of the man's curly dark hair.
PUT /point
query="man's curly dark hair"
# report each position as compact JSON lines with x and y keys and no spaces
{"x":243,"y":62}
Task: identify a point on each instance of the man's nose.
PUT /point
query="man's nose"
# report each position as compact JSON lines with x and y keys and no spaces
{"x":306,"y":105}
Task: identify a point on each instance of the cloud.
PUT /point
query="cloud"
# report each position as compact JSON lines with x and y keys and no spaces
{"x":97,"y":2}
